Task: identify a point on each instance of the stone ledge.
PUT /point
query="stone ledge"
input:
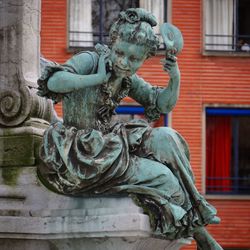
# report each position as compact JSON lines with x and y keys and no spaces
{"x":80,"y":224}
{"x":131,"y":243}
{"x":101,"y":229}
{"x":121,"y":225}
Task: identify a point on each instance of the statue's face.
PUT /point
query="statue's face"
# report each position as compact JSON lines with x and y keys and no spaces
{"x":127,"y":57}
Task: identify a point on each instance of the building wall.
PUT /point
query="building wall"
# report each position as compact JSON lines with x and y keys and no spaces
{"x":209,"y":80}
{"x":205,"y":80}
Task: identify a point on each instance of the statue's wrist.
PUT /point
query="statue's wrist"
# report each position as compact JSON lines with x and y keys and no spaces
{"x":175,"y":74}
{"x":99,"y":78}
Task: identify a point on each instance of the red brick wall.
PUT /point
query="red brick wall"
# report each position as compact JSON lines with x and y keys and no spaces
{"x":205,"y":80}
{"x":209,"y":80}
{"x":54,"y":30}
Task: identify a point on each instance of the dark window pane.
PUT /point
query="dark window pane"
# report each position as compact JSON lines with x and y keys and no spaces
{"x":104,"y":13}
{"x":244,"y":156}
{"x":244,"y":21}
{"x":227,"y":151}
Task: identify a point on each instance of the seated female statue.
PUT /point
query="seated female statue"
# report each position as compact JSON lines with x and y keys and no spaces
{"x":87,"y":155}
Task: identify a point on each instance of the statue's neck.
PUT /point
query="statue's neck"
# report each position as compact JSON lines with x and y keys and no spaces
{"x":115,"y":84}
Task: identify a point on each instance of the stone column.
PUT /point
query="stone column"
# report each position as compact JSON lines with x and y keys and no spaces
{"x":31,"y":216}
{"x":19,"y":63}
{"x":19,"y":70}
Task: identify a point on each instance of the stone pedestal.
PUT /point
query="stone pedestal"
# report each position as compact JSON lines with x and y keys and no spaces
{"x":31,"y":217}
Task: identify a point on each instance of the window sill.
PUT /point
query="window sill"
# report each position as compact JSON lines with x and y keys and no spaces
{"x":75,"y":50}
{"x":225,"y":53}
{"x":226,"y":197}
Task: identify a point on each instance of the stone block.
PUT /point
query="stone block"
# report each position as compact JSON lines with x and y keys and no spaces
{"x":19,"y":146}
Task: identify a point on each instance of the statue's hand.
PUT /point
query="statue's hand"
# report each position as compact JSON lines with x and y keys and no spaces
{"x":170,"y":65}
{"x":102,"y":69}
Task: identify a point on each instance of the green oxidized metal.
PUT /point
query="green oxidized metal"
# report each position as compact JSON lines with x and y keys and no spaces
{"x":87,"y":155}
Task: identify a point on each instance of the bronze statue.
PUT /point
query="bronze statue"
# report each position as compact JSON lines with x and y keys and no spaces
{"x":87,"y":155}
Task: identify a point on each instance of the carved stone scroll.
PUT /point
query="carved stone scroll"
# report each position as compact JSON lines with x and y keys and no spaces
{"x":19,"y":63}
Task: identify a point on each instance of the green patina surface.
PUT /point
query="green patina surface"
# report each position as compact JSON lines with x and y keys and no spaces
{"x":87,"y":154}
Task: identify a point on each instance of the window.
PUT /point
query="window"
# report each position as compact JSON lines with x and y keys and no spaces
{"x":227,"y":25}
{"x":227,"y":151}
{"x":90,"y":20}
{"x":126,"y":113}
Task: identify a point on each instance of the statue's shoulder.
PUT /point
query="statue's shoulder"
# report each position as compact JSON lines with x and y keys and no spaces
{"x":84,"y":62}
{"x":86,"y":55}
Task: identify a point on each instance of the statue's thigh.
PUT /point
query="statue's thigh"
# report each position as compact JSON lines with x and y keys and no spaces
{"x":164,"y":144}
{"x":153,"y":174}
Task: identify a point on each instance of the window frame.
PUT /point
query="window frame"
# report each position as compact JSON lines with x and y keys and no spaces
{"x":72,"y":49}
{"x":205,"y":52}
{"x":217,"y":196}
{"x":137,"y":110}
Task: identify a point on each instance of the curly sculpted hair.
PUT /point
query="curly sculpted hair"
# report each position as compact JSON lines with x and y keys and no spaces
{"x":135,"y":25}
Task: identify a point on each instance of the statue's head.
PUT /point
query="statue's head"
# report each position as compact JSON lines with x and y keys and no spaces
{"x":135,"y":26}
{"x":132,"y":34}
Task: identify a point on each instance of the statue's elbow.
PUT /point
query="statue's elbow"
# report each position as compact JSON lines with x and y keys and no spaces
{"x":167,"y":107}
{"x":52,"y":83}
